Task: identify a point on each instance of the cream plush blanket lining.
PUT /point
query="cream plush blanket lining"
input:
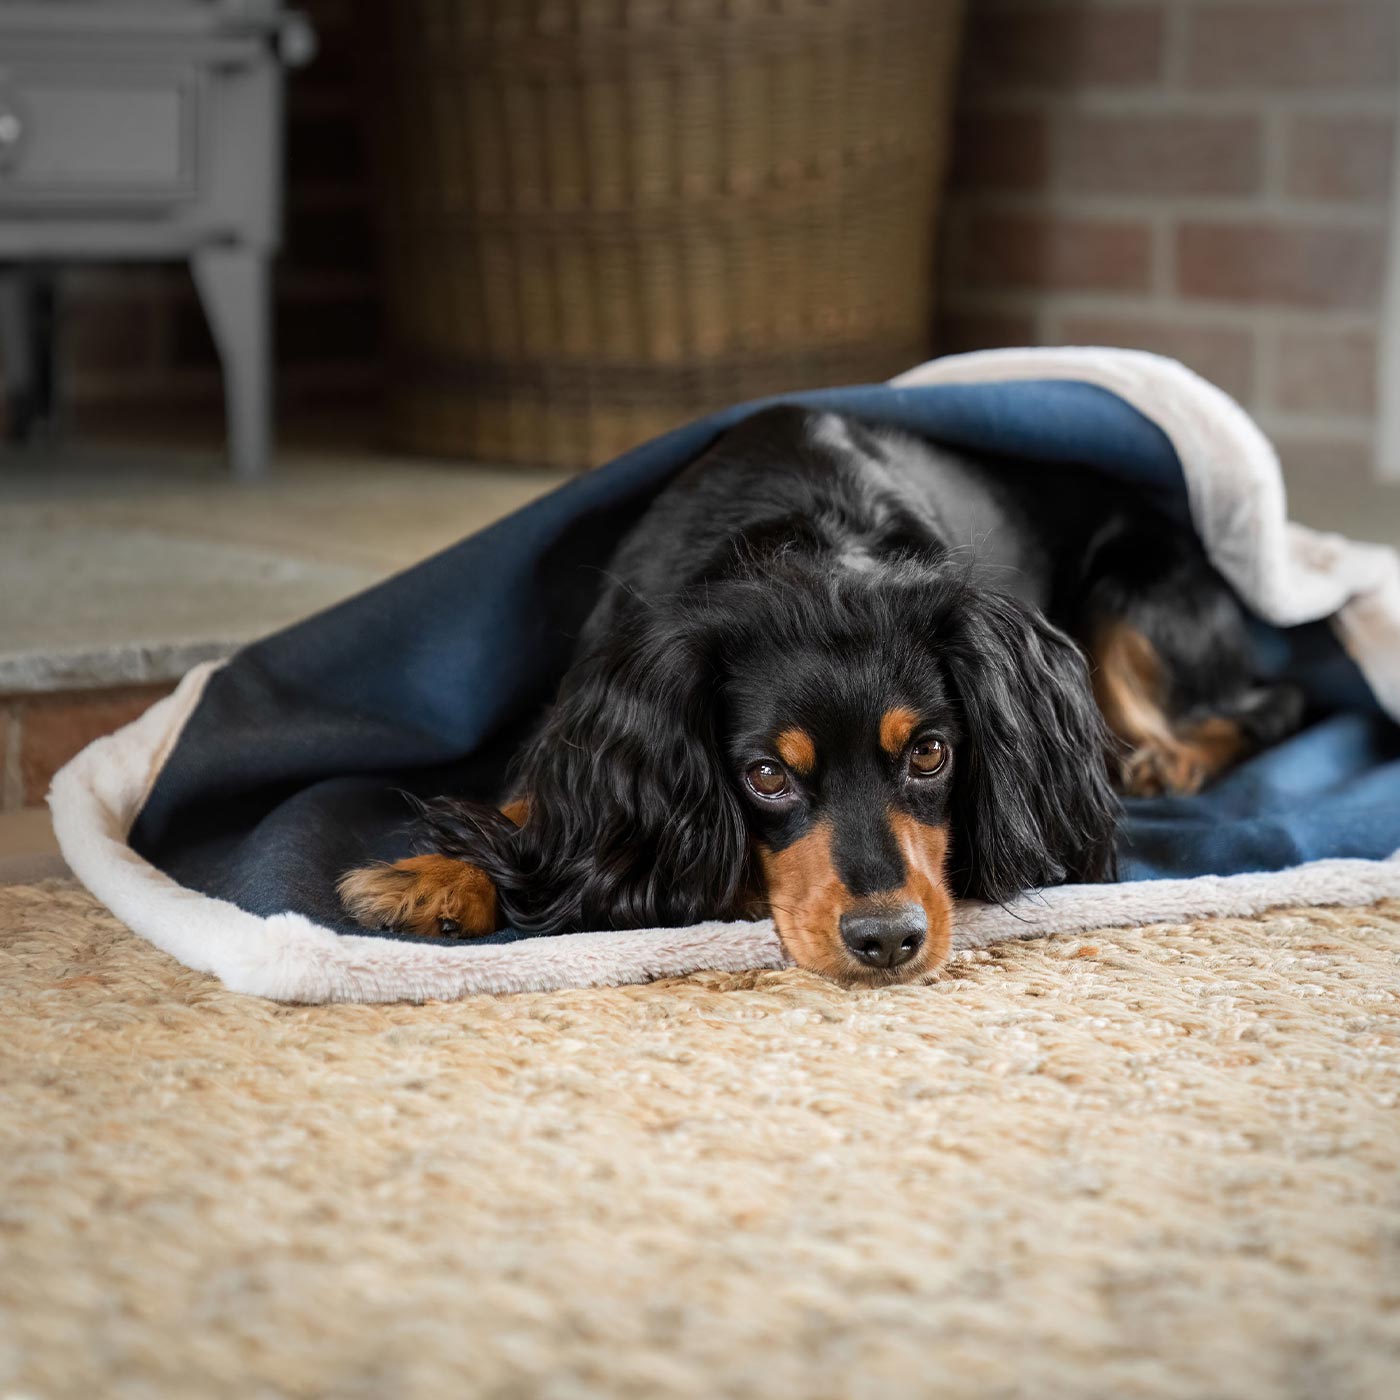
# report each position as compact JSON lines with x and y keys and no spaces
{"x":1287,"y":574}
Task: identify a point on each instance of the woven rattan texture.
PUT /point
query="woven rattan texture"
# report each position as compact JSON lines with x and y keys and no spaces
{"x":604,"y":217}
{"x":1146,"y":1163}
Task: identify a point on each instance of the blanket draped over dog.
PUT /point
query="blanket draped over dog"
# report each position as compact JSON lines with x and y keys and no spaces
{"x":217,"y":824}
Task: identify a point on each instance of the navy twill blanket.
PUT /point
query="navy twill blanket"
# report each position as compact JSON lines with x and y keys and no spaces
{"x":217,"y":824}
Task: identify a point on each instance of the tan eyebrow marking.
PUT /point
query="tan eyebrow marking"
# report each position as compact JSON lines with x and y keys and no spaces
{"x":896,"y":729}
{"x":796,"y":749}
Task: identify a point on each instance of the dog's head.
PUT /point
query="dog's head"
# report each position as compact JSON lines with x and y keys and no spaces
{"x":851,"y":752}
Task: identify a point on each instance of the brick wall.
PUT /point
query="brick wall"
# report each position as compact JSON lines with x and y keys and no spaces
{"x":1205,"y":178}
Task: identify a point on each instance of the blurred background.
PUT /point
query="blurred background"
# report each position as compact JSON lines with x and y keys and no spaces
{"x":289,"y":299}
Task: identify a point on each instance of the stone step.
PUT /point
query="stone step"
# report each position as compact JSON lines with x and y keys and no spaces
{"x":122,"y":567}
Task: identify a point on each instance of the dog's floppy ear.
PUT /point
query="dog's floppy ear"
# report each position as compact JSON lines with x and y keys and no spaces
{"x":1032,"y":801}
{"x":631,"y":819}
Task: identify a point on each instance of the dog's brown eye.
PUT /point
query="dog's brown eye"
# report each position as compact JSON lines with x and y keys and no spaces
{"x":927,"y":757}
{"x":767,"y":779}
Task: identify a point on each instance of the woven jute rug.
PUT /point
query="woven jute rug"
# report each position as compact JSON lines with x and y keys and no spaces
{"x":1150,"y":1162}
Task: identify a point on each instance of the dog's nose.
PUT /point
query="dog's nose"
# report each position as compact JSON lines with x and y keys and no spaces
{"x":885,"y":937}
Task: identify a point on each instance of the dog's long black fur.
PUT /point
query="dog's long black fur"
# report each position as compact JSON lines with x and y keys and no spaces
{"x":635,"y":820}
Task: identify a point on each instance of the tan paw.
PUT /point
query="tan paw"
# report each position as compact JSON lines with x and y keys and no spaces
{"x":1168,"y":770}
{"x":1179,"y":765}
{"x":430,"y":896}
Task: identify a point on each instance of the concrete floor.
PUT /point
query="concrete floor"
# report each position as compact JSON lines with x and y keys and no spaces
{"x":122,"y":564}
{"x":131,"y":564}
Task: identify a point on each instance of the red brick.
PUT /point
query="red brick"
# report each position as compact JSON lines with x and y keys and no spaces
{"x":5,"y":722}
{"x":1341,"y":157}
{"x":336,"y":240}
{"x":1314,"y":44}
{"x":1172,"y":154}
{"x":328,"y":14}
{"x":114,"y":281}
{"x":963,"y":330}
{"x":1321,"y":371}
{"x":1281,"y":264}
{"x":102,"y":334}
{"x":53,"y":728}
{"x":1222,"y":354}
{"x":1034,"y":251}
{"x":325,"y":149}
{"x":191,"y":340}
{"x":1001,"y":151}
{"x":1063,"y":46}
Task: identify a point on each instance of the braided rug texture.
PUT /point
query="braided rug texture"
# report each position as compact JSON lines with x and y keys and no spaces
{"x":1153,"y":1162}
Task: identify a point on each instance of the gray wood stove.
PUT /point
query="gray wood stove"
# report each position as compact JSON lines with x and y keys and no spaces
{"x":142,"y":129}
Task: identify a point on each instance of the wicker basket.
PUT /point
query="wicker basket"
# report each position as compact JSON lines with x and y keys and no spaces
{"x":604,"y":217}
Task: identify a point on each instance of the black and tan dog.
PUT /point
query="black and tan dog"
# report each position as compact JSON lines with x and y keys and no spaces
{"x":839,"y":676}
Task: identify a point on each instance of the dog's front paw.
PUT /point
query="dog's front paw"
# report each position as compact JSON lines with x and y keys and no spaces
{"x":429,"y":896}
